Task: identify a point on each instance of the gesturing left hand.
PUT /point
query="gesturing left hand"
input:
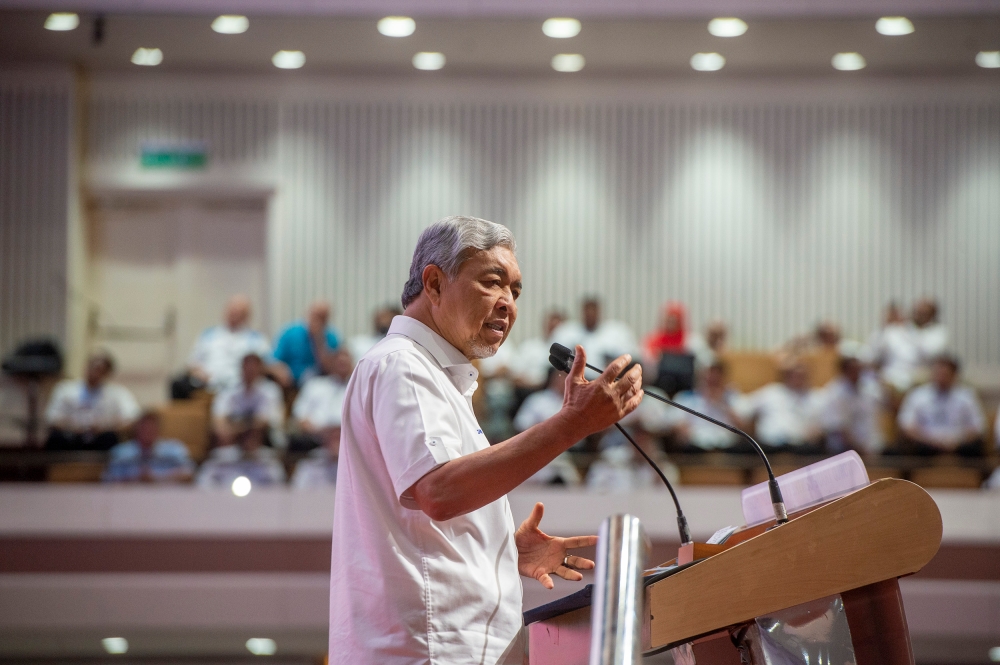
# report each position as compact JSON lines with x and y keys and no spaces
{"x":539,"y":554}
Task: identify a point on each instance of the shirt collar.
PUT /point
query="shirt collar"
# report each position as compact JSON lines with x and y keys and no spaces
{"x":447,"y":356}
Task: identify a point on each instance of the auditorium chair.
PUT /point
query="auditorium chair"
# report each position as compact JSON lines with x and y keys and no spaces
{"x":823,"y":366}
{"x":187,"y":421}
{"x":947,"y":477}
{"x":750,"y":370}
{"x":74,"y":472}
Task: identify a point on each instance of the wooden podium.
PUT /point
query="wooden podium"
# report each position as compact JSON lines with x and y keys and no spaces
{"x":856,"y":546}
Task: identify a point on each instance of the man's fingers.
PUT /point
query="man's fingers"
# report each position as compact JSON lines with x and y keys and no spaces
{"x":579,"y":541}
{"x":612,"y":371}
{"x":632,"y":404}
{"x":546,"y":581}
{"x":579,"y":365}
{"x":579,"y":563}
{"x":568,"y":574}
{"x":535,"y":518}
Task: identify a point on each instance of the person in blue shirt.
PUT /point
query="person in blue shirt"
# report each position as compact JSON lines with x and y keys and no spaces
{"x":302,"y":344}
{"x":147,"y":457}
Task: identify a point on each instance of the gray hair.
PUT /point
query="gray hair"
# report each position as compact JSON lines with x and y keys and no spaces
{"x":447,"y":244}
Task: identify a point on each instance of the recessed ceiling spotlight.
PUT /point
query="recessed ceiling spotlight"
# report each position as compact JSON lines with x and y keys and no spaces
{"x":241,"y":486}
{"x":262,"y":646}
{"x":428,"y":60}
{"x":149,"y":57}
{"x":62,"y":21}
{"x":282,"y":60}
{"x":989,"y":60}
{"x":707,"y":62}
{"x":727,"y":27}
{"x":230,"y":24}
{"x":848,"y":62}
{"x":568,"y":62}
{"x":115,"y":645}
{"x":894,"y":26}
{"x":561,"y":28}
{"x":397,"y":26}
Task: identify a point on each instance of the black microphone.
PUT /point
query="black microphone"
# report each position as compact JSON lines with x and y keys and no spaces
{"x":564,"y":364}
{"x":560,"y":354}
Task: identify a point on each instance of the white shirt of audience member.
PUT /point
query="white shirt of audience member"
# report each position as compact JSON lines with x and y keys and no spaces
{"x":227,"y":463}
{"x":538,"y":407}
{"x":895,"y":348}
{"x":263,"y":401}
{"x":621,"y":470}
{"x":932,"y":340}
{"x":531,"y":361}
{"x":842,"y":407}
{"x":318,"y":471}
{"x":946,"y":417}
{"x":606,"y":342}
{"x":701,"y":433}
{"x":81,"y":408}
{"x":783,"y":415}
{"x":219,"y":352}
{"x":467,"y":602}
{"x":320,"y":402}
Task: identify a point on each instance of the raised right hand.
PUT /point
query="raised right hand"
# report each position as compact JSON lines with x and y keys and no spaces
{"x":591,"y":406}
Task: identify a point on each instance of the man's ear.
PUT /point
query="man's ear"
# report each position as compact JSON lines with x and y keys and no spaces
{"x":434,"y":280}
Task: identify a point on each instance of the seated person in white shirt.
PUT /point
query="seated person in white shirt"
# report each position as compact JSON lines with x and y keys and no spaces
{"x":318,"y":406}
{"x":784,"y":413}
{"x":255,"y":402}
{"x":848,"y":407}
{"x":931,"y":335}
{"x":247,"y":457}
{"x":359,"y":345}
{"x":530,"y":367}
{"x":147,"y":458}
{"x":716,"y":399}
{"x":603,"y":340}
{"x":537,"y":408}
{"x":621,"y":469}
{"x":942,"y":416}
{"x":218,"y":351}
{"x":88,"y":414}
{"x":319,"y":470}
{"x":894,"y":351}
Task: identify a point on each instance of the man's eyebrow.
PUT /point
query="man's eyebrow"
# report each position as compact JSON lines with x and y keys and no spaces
{"x":501,"y":272}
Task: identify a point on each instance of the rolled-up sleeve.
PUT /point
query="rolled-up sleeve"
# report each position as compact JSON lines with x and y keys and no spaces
{"x":416,"y":426}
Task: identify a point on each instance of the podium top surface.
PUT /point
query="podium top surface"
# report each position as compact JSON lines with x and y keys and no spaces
{"x":888,"y":529}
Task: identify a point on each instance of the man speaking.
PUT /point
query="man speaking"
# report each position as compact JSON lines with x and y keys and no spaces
{"x":425,"y":555}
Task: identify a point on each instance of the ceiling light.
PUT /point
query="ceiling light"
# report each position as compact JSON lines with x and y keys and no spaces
{"x":230,"y":24}
{"x":989,"y":60}
{"x":262,"y":646}
{"x":894,"y":26}
{"x":727,"y":27}
{"x":397,"y":26}
{"x":428,"y":60}
{"x":285,"y":60}
{"x":848,"y":62}
{"x":115,"y":645}
{"x":149,"y":57}
{"x":707,"y":62}
{"x":994,"y":652}
{"x":62,"y":21}
{"x":568,"y":62}
{"x":241,"y":486}
{"x":561,"y":28}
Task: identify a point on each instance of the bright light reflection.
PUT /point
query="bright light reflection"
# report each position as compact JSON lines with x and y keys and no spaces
{"x":893,"y":26}
{"x":428,"y":60}
{"x":397,"y":26}
{"x":989,"y":60}
{"x":707,"y":62}
{"x":115,"y":645}
{"x":262,"y":646}
{"x":148,"y":57}
{"x":289,"y":59}
{"x":726,"y":27}
{"x":561,"y":28}
{"x":62,"y":21}
{"x":568,"y":62}
{"x":241,"y":486}
{"x":230,"y":24}
{"x":848,"y":62}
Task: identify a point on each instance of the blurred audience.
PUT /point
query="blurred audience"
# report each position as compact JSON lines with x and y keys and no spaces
{"x":894,"y":351}
{"x":531,"y":366}
{"x":931,"y":335}
{"x":671,"y":336}
{"x":147,"y":458}
{"x":88,"y":414}
{"x":601,"y":339}
{"x":303,"y":344}
{"x":784,"y":413}
{"x":537,"y":408}
{"x":849,"y":406}
{"x":621,"y":469}
{"x":215,"y":359}
{"x":318,"y":406}
{"x":712,"y":346}
{"x":319,"y":470}
{"x":254,"y":403}
{"x":714,"y":398}
{"x":246,"y":457}
{"x":943,"y":416}
{"x":359,"y":345}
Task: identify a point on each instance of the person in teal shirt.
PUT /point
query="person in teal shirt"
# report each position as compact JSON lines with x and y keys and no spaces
{"x":302,"y":344}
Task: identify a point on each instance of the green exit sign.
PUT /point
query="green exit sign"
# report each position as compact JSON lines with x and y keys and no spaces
{"x":181,"y":156}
